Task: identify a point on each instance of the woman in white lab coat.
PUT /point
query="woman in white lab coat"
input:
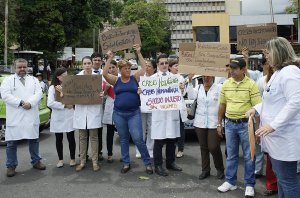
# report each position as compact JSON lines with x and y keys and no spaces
{"x":88,"y":117}
{"x":61,"y":118}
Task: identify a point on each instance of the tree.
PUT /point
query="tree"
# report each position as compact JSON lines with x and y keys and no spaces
{"x":153,"y":21}
{"x":292,"y":8}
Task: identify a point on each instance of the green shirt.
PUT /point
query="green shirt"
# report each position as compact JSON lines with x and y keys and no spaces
{"x":239,"y":97}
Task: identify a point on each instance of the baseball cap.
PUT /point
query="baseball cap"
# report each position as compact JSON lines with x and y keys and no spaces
{"x":38,"y":74}
{"x":237,"y":62}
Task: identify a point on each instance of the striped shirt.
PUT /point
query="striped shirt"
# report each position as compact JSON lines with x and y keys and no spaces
{"x":239,"y":97}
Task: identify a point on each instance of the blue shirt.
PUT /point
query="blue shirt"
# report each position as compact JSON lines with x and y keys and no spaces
{"x":127,"y":98}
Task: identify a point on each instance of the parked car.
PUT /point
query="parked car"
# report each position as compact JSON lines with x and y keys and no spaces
{"x":44,"y":114}
{"x":172,"y":57}
{"x":134,"y":64}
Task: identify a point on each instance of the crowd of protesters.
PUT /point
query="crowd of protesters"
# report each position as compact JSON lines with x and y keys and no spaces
{"x":271,"y":98}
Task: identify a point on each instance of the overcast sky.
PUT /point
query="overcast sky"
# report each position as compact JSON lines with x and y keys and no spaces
{"x":254,"y":7}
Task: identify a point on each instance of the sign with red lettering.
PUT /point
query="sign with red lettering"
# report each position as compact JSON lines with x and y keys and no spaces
{"x":255,"y":36}
{"x":160,"y":93}
{"x":120,"y":38}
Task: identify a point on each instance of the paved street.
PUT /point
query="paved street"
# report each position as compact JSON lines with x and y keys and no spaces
{"x":109,"y":182}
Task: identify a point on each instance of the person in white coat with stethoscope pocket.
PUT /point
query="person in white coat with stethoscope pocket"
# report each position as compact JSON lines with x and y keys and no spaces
{"x":61,"y":118}
{"x":88,"y":117}
{"x":21,"y":94}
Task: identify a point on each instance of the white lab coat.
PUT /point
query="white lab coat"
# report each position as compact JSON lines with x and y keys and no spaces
{"x":88,"y":116}
{"x":61,"y":117}
{"x":206,"y":115}
{"x":165,"y":124}
{"x":21,"y":123}
{"x":108,"y":111}
{"x":280,"y":109}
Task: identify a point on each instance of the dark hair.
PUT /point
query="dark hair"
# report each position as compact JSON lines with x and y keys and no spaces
{"x":96,"y":54}
{"x":86,"y":57}
{"x":161,"y":56}
{"x":59,"y":71}
{"x":173,"y":62}
{"x":263,"y":60}
{"x":114,"y":62}
{"x":154,"y":65}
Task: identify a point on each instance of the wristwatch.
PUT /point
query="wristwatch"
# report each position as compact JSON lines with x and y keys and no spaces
{"x":219,"y":125}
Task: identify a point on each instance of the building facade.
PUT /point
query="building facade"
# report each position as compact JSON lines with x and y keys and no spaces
{"x":181,"y":11}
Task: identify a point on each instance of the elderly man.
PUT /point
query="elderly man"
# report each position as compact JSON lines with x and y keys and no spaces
{"x":22,"y":94}
{"x":239,"y":93}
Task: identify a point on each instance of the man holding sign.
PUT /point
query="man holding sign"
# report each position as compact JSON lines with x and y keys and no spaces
{"x":165,"y":128}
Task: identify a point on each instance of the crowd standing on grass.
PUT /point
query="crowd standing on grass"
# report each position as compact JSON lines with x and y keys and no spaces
{"x":224,"y":105}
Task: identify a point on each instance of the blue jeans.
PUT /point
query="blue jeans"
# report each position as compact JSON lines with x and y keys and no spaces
{"x":236,"y":133}
{"x":287,"y":180}
{"x":11,"y":153}
{"x":131,"y":124}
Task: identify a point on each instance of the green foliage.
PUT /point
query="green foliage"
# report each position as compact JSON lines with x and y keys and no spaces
{"x":292,"y":8}
{"x":153,"y":21}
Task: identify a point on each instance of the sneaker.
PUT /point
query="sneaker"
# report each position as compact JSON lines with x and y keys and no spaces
{"x":179,"y":154}
{"x":249,"y":192}
{"x":226,"y":187}
{"x":72,"y":163}
{"x":10,"y":172}
{"x":39,"y":166}
{"x":60,"y":164}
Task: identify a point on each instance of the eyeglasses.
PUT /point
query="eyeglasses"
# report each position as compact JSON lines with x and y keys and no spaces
{"x":164,"y":63}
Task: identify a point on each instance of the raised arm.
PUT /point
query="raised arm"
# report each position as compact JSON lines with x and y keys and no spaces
{"x":111,"y":79}
{"x":141,"y":71}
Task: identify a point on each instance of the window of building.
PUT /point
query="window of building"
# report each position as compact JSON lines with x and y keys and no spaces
{"x":232,"y":34}
{"x":208,"y":34}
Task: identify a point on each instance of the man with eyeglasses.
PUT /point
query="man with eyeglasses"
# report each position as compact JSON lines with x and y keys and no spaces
{"x":165,"y":128}
{"x":22,"y":94}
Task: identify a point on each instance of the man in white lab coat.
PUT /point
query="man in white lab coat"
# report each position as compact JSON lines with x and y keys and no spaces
{"x":22,"y":94}
{"x":165,"y":128}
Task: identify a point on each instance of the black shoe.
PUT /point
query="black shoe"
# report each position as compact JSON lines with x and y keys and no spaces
{"x":125,"y":169}
{"x":173,"y":167}
{"x":220,"y":174}
{"x":257,"y":176}
{"x":270,"y":192}
{"x":160,"y":171}
{"x":100,"y":157}
{"x":204,"y":175}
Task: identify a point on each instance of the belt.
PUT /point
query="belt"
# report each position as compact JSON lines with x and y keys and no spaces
{"x":238,"y":120}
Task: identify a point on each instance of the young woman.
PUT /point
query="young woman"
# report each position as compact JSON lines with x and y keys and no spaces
{"x":61,"y":118}
{"x":108,"y":111}
{"x":88,"y":117}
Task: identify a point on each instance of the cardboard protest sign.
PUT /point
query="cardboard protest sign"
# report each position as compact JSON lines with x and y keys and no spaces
{"x":204,"y":58}
{"x":82,"y":89}
{"x":120,"y":38}
{"x":251,"y":137}
{"x":255,"y":36}
{"x":160,"y":93}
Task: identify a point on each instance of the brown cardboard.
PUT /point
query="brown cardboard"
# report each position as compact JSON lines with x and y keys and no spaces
{"x":255,"y":37}
{"x":120,"y":38}
{"x":251,"y":137}
{"x":82,"y":89}
{"x":207,"y":58}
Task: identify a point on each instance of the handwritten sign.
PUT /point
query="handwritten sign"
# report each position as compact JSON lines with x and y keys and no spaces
{"x":82,"y":89}
{"x":255,"y":37}
{"x":120,"y":39}
{"x":160,"y":93}
{"x":204,"y":58}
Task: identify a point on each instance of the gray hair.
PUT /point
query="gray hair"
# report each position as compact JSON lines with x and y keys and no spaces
{"x":20,"y":60}
{"x":281,"y":53}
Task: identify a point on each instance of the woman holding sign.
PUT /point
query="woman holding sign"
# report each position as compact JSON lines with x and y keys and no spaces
{"x":127,"y":114}
{"x":88,"y":117}
{"x":61,"y":118}
{"x":280,"y":117}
